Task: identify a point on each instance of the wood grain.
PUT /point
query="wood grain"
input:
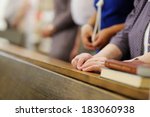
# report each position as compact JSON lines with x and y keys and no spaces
{"x":67,"y":70}
{"x":23,"y":80}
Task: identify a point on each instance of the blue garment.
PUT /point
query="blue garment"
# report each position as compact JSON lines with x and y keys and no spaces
{"x":114,"y":11}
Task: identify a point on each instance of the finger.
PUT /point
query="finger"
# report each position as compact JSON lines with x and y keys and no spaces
{"x":87,"y":64}
{"x":93,"y":68}
{"x":128,"y":60}
{"x":84,"y":57}
{"x":92,"y":62}
{"x":86,"y":41}
{"x":97,"y":43}
{"x":80,"y":63}
{"x":89,"y":47}
{"x":98,"y":59}
{"x":96,"y":37}
{"x":74,"y":62}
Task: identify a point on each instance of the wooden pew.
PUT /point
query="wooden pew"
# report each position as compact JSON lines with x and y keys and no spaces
{"x":30,"y":75}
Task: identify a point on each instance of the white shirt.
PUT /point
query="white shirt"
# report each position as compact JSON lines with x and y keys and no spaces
{"x":146,"y":39}
{"x":81,"y":10}
{"x":12,"y":8}
{"x":30,"y":17}
{"x":3,"y":4}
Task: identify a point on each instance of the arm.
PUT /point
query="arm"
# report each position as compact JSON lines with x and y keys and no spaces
{"x":110,"y":51}
{"x":61,"y":21}
{"x":145,"y":58}
{"x":87,"y":62}
{"x":115,"y":29}
{"x":20,"y":15}
{"x":92,"y":20}
{"x":104,"y":36}
{"x":15,"y":12}
{"x":64,"y":20}
{"x":87,"y":31}
{"x":121,"y":39}
{"x":76,"y":47}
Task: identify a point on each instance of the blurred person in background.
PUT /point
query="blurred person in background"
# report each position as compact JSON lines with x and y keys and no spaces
{"x":3,"y":24}
{"x":81,"y":11}
{"x":30,"y":23}
{"x":21,"y":15}
{"x":12,"y":9}
{"x":3,"y":5}
{"x":63,"y":31}
{"x":8,"y":9}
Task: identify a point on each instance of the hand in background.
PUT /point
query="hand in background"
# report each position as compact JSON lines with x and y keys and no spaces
{"x":48,"y":31}
{"x":79,"y":60}
{"x":144,"y":58}
{"x":73,"y":54}
{"x":102,"y":38}
{"x":86,"y":35}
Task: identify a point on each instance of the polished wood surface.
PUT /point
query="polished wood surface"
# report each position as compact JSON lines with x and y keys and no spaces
{"x":23,"y":80}
{"x":66,"y":69}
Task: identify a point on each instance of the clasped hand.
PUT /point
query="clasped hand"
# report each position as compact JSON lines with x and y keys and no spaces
{"x":88,"y":63}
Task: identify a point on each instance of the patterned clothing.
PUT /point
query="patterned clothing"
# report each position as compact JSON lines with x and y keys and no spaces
{"x":146,"y":39}
{"x":131,"y":39}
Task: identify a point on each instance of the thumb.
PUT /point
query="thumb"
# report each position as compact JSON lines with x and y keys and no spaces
{"x":97,"y":41}
{"x":91,"y":32}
